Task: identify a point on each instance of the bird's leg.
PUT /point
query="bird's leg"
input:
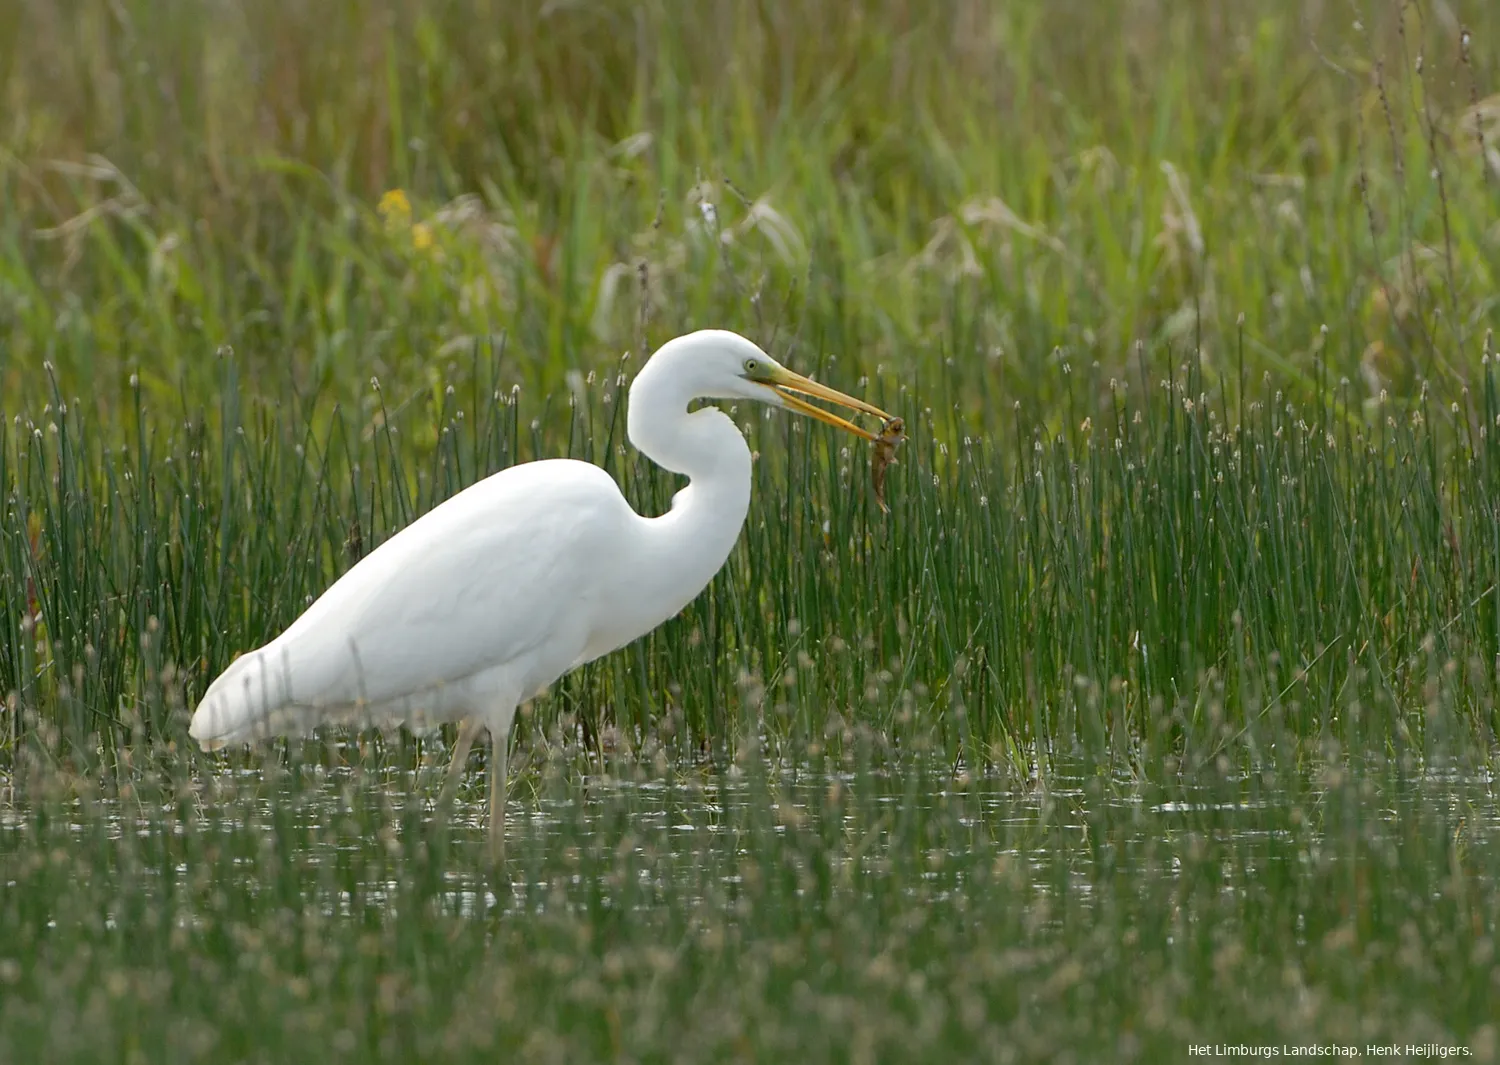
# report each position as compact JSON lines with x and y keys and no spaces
{"x":499,"y":751}
{"x":468,"y":731}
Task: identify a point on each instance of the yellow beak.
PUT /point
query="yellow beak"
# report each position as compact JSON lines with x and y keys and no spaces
{"x":792,"y":386}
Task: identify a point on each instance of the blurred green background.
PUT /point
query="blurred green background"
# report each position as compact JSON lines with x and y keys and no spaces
{"x":901,"y":183}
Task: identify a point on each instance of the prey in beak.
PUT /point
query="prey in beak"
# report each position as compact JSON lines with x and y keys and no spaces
{"x":791,"y":387}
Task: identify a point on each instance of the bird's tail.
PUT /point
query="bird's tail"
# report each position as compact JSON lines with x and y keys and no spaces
{"x":243,"y":703}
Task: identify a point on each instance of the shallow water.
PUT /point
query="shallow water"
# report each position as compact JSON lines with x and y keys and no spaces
{"x":765,"y":912}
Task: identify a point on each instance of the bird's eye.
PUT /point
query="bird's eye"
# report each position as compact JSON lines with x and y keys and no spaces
{"x":751,"y":365}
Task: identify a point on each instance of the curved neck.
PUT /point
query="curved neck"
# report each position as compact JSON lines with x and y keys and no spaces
{"x":700,"y":530}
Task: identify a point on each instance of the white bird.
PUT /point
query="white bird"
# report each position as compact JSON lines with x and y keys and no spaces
{"x":483,"y":602}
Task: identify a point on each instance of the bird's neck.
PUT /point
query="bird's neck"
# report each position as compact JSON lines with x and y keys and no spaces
{"x":705,"y":446}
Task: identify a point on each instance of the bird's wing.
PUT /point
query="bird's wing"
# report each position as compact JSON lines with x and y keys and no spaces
{"x":494,"y":574}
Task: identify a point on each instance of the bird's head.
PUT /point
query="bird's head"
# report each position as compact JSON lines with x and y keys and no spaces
{"x":718,"y":364}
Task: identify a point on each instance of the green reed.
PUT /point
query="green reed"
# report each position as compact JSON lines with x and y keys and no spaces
{"x":1168,"y":574}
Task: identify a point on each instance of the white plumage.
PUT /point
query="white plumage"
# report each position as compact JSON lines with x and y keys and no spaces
{"x":491,"y":596}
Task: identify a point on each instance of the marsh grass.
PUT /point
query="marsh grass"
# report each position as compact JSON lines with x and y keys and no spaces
{"x":1164,"y":578}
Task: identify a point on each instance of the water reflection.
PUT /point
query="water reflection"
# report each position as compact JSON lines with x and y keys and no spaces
{"x":361,"y":836}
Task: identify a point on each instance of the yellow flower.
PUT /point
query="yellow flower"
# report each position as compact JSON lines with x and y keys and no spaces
{"x":421,"y":236}
{"x":395,"y":208}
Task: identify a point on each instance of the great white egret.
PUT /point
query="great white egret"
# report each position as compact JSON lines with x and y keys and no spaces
{"x":491,"y":596}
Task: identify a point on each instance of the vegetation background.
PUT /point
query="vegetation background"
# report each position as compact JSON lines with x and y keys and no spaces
{"x":272,"y":255}
{"x":914,"y":182}
{"x":290,"y":246}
